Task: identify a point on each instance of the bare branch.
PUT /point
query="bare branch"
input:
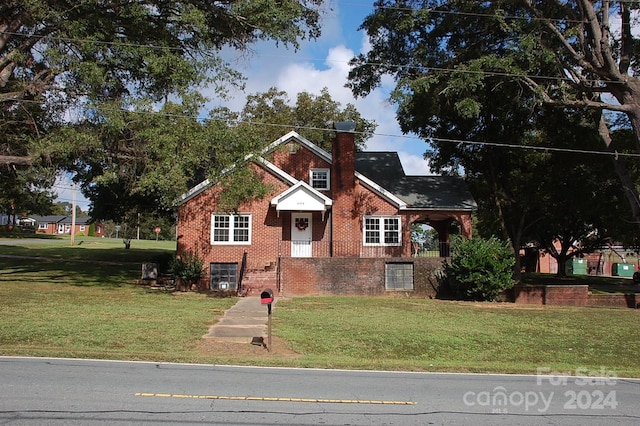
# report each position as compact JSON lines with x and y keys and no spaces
{"x":18,"y":161}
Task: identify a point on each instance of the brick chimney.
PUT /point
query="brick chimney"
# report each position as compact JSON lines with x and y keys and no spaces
{"x":343,"y":152}
{"x":345,"y":231}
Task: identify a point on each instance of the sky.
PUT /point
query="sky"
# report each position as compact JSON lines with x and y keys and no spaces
{"x":325,"y":63}
{"x":320,"y":63}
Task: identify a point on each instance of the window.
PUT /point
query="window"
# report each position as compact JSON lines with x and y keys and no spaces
{"x":82,"y":228}
{"x":398,"y":276}
{"x":230,"y":229}
{"x":382,"y":230}
{"x":319,"y":179}
{"x":43,"y":226}
{"x":224,"y":276}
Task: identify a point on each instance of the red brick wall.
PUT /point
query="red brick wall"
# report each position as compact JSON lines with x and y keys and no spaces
{"x":530,"y":295}
{"x":567,"y":295}
{"x":299,"y":163}
{"x":577,"y":295}
{"x":353,"y":276}
{"x":194,"y":227}
{"x":574,"y":295}
{"x":615,"y":300}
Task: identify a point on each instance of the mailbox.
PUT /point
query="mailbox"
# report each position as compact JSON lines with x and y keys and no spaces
{"x":266,"y":297}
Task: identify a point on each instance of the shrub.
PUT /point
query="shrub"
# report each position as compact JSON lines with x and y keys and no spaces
{"x":188,"y":268}
{"x":480,"y":269}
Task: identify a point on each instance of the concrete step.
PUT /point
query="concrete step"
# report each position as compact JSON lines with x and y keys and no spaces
{"x":241,"y":323}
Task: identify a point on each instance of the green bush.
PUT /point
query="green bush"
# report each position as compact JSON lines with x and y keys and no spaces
{"x":480,"y":269}
{"x":188,"y":268}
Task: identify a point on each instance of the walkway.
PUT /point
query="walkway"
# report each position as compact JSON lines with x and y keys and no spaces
{"x":241,"y":323}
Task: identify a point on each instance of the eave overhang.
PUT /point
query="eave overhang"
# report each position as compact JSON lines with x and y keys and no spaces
{"x":302,"y":197}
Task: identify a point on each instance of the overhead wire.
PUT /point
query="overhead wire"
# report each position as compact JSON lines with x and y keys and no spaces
{"x":404,"y":136}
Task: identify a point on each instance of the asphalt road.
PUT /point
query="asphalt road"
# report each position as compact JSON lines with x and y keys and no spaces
{"x":43,"y":391}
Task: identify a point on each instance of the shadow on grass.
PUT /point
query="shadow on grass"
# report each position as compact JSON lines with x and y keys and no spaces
{"x":108,"y":254}
{"x":34,"y":271}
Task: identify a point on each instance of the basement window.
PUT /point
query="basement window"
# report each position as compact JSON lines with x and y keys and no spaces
{"x":224,"y":276}
{"x":398,"y":276}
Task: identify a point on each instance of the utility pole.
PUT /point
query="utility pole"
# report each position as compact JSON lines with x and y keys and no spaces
{"x":73,"y":214}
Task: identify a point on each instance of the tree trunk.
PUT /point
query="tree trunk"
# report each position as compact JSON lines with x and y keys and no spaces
{"x":630,"y":189}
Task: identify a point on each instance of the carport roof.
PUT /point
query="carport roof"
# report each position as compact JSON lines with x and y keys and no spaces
{"x":432,"y":192}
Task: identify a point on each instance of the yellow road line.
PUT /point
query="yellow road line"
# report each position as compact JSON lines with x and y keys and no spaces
{"x":276,"y":399}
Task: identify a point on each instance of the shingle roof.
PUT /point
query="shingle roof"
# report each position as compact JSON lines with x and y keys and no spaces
{"x":49,"y":219}
{"x":79,"y":220}
{"x":419,"y":192}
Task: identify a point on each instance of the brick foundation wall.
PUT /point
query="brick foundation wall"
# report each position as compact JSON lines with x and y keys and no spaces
{"x":354,"y":276}
{"x":565,"y":295}
{"x":573,"y":295}
{"x":529,"y":295}
{"x":615,"y":300}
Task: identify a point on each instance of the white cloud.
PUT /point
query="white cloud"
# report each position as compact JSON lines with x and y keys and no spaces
{"x":325,"y":63}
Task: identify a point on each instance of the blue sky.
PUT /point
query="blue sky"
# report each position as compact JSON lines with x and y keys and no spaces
{"x":324,"y":63}
{"x":318,"y":64}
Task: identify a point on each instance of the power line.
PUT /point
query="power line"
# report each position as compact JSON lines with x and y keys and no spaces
{"x":404,"y":136}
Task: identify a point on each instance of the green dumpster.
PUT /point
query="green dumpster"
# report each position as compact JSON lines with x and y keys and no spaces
{"x":576,"y":267}
{"x":623,"y":269}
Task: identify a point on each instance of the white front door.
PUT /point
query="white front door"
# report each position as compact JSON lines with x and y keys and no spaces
{"x":301,"y":234}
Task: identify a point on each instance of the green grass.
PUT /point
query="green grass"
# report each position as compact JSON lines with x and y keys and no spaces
{"x":92,"y":249}
{"x":69,"y":309}
{"x":417,"y":334}
{"x":57,"y":307}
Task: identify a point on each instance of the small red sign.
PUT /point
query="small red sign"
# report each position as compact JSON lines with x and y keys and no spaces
{"x":157,"y":230}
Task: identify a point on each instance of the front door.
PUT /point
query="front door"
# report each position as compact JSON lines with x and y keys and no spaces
{"x":301,"y":234}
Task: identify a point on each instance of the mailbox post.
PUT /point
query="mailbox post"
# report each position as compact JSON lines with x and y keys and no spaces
{"x":266,"y":298}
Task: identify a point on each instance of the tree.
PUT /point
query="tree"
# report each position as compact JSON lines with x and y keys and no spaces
{"x":270,"y":115}
{"x":565,"y":54}
{"x":69,"y":62}
{"x":579,"y":202}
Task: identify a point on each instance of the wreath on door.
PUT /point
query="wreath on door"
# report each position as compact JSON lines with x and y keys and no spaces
{"x":302,"y":223}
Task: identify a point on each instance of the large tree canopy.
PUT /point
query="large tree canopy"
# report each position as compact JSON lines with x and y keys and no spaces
{"x":454,"y":54}
{"x":65,"y":51}
{"x":79,"y":80}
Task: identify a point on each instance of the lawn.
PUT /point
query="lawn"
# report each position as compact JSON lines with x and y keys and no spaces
{"x":94,"y":310}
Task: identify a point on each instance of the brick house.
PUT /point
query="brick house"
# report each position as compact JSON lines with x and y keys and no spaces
{"x":60,"y":224}
{"x":334,"y":223}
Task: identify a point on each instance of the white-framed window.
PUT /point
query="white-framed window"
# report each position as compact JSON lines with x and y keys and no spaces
{"x":82,"y":228}
{"x":398,"y":276}
{"x":230,"y":228}
{"x":319,"y":179}
{"x":43,"y":226}
{"x":382,"y":231}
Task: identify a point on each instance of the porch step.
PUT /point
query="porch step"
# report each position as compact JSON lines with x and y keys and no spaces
{"x":256,"y":280}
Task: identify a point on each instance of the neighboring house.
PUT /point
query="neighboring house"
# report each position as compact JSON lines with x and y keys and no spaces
{"x":334,"y":223}
{"x":49,"y":224}
{"x":62,"y":225}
